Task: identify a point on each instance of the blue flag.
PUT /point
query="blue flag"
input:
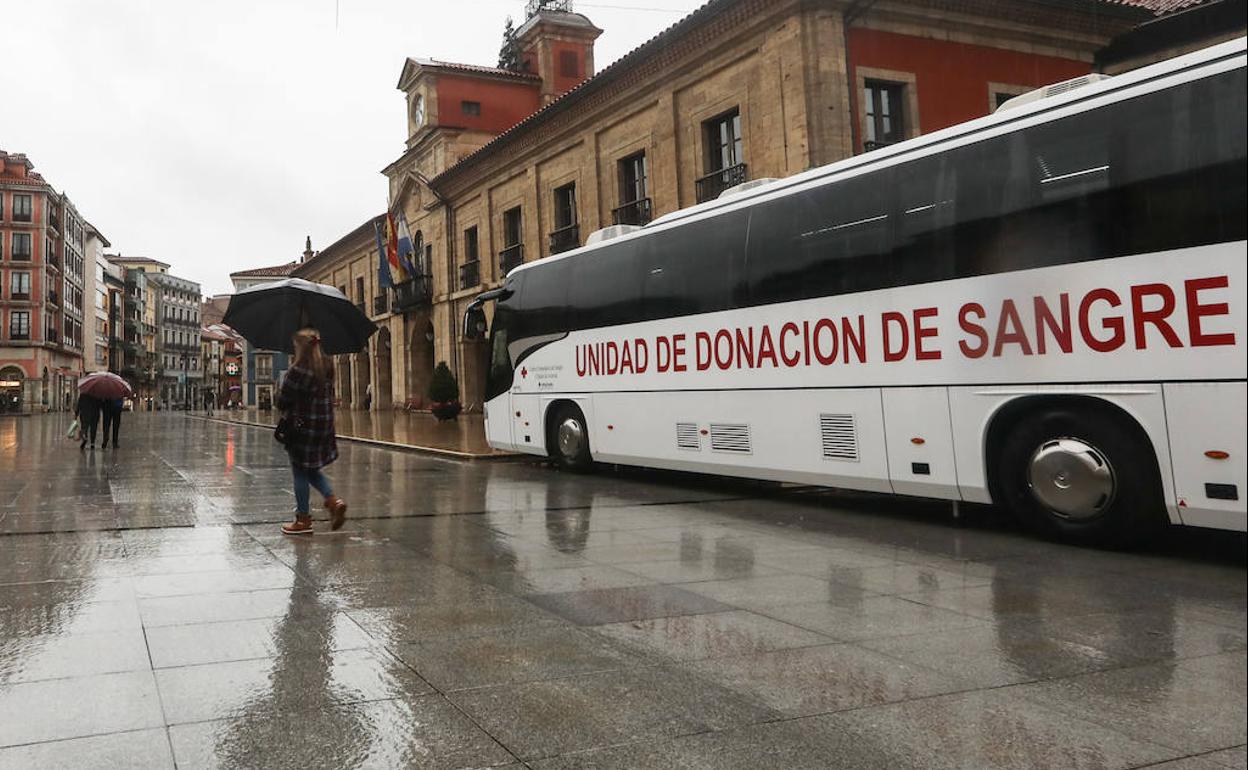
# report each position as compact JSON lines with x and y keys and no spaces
{"x":383,"y":267}
{"x":407,"y":247}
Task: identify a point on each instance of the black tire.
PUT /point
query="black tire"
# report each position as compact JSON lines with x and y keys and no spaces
{"x":1128,"y":516}
{"x":566,"y":449}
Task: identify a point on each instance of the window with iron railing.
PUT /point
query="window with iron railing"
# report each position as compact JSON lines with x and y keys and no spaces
{"x":712,"y":185}
{"x":470,"y":274}
{"x":512,"y":254}
{"x":724,"y":153}
{"x":566,"y":234}
{"x":510,"y":258}
{"x":637,"y":212}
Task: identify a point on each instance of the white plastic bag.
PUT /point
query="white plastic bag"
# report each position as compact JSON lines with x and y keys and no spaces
{"x":72,"y":433}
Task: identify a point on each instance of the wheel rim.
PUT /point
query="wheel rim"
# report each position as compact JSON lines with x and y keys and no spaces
{"x":1071,"y":478}
{"x":571,"y":438}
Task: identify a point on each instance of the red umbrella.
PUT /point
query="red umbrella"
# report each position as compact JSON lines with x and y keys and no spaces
{"x":105,"y":385}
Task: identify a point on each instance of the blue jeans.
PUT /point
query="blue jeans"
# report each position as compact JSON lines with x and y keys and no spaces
{"x":305,"y":477}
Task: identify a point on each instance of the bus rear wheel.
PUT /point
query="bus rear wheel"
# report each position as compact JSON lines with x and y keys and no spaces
{"x":1079,"y":475}
{"x":568,"y":442}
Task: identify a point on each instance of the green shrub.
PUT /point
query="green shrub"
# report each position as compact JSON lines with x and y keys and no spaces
{"x":443,"y":386}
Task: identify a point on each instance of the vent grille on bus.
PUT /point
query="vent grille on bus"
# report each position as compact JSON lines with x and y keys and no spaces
{"x":727,"y":437}
{"x":840,"y":437}
{"x":687,"y":436}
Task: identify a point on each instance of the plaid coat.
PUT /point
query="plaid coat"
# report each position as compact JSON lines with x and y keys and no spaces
{"x":302,"y":396}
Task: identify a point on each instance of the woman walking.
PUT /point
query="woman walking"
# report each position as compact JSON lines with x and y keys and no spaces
{"x":88,"y":413}
{"x":307,"y":399}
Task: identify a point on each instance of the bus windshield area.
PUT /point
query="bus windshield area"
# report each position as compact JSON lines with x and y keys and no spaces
{"x":498,"y":378}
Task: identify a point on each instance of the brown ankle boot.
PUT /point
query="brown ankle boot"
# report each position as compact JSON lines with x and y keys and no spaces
{"x":337,"y":508}
{"x":302,"y":525}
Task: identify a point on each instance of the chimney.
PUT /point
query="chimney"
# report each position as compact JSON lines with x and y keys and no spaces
{"x":558,"y":45}
{"x":307,"y":249}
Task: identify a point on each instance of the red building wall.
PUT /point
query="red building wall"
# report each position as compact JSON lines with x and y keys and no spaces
{"x":951,"y":79}
{"x":564,"y":83}
{"x":503,"y":104}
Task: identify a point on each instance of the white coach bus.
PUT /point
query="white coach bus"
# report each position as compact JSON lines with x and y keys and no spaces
{"x":1043,"y":308}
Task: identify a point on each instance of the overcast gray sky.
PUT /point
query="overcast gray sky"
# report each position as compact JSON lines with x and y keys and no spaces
{"x":215,"y":136}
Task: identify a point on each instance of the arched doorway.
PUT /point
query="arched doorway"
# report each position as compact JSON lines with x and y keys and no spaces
{"x":381,"y":392}
{"x":363,"y":381}
{"x":420,"y":361}
{"x":343,"y":385}
{"x":12,"y":381}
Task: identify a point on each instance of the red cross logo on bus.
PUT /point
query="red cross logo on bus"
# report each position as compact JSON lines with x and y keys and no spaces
{"x":524,"y":373}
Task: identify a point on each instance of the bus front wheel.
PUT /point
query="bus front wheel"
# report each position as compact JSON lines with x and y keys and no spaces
{"x":569,"y":438}
{"x":1082,"y":476}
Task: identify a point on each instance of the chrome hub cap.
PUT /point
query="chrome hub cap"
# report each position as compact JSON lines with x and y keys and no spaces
{"x":571,"y":437}
{"x":1071,"y":478}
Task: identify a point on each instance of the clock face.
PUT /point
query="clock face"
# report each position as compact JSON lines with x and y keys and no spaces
{"x":418,"y":110}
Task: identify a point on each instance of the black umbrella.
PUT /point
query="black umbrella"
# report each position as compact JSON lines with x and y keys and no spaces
{"x":268,"y":315}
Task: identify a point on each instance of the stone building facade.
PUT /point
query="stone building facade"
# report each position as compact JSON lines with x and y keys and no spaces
{"x":739,"y":90}
{"x":42,"y":241}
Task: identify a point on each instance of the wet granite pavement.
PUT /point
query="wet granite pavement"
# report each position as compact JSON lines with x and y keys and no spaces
{"x":478,"y":615}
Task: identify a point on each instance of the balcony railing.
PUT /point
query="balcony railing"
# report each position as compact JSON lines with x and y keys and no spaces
{"x":714,"y":183}
{"x":54,"y":221}
{"x":22,"y":296}
{"x":565,"y":239}
{"x":24,"y":336}
{"x":21,"y":216}
{"x":53,"y":299}
{"x":635,"y":213}
{"x":470,"y":274}
{"x":869,"y":146}
{"x":510,"y":258}
{"x":379,"y":304}
{"x":417,"y":292}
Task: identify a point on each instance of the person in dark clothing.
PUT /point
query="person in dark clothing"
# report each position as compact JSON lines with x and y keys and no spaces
{"x":307,"y":396}
{"x":112,"y":419}
{"x":88,"y":413}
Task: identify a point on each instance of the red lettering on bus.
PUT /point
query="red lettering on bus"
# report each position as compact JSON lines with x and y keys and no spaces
{"x":1114,"y":324}
{"x":922,"y":332}
{"x":888,"y":319}
{"x":820,"y":356}
{"x":1014,"y":335}
{"x":1059,"y":329}
{"x":1157,"y":317}
{"x":767,"y":348}
{"x":702,"y":351}
{"x":1197,"y":310}
{"x":745,"y":348}
{"x":788,"y":330}
{"x":678,"y":353}
{"x":855,"y":340}
{"x":974,"y":329}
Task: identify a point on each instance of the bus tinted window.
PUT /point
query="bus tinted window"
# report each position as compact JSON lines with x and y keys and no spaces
{"x":823,"y":241}
{"x":695,"y":268}
{"x":604,"y":287}
{"x":543,"y":300}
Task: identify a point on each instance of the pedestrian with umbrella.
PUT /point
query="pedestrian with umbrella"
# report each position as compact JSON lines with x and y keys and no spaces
{"x":314,"y":322}
{"x":108,"y":390}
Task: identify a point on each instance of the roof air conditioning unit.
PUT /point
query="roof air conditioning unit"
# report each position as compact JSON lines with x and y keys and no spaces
{"x":608,"y":233}
{"x":1053,"y":90}
{"x":746,"y":186}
